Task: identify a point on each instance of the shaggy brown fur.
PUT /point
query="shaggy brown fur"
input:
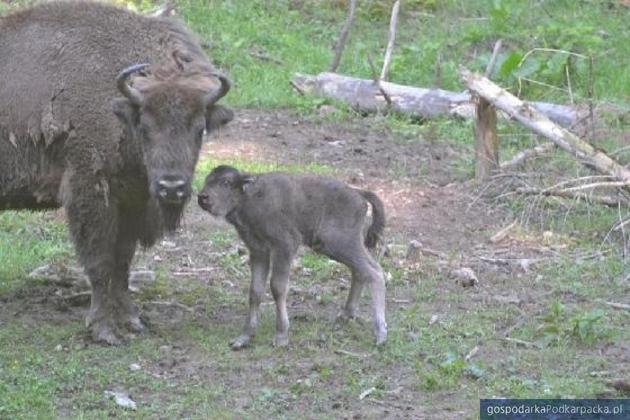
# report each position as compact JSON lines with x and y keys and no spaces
{"x":275,"y":213}
{"x":119,"y":161}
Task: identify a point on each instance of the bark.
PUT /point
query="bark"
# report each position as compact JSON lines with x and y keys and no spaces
{"x":540,"y":124}
{"x":365,"y":96}
{"x":486,"y":141}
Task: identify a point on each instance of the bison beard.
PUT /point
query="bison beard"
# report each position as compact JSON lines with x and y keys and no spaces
{"x":171,"y":216}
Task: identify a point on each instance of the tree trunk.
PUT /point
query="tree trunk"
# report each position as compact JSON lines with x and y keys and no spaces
{"x":486,"y":141}
{"x":364,"y":95}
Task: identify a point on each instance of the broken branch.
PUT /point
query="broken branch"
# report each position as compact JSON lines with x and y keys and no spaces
{"x":539,"y":123}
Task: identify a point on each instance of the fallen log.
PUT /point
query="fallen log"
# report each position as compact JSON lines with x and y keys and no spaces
{"x":365,"y":96}
{"x":536,"y":121}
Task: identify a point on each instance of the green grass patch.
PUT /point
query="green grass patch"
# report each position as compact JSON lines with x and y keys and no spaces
{"x":27,"y":241}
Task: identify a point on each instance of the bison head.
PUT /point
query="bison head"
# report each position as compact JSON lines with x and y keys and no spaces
{"x":166,"y":118}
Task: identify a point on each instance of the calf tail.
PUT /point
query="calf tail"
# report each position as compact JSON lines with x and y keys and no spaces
{"x":378,"y":219}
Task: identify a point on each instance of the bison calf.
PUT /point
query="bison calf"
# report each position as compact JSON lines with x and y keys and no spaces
{"x":275,"y":213}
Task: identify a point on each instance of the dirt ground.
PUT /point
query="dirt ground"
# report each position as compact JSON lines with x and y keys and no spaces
{"x":424,"y":203}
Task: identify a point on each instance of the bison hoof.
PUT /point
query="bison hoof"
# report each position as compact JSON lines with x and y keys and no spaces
{"x":135,"y":324}
{"x":103,"y":332}
{"x":241,"y":342}
{"x":281,"y":340}
{"x":345,"y":315}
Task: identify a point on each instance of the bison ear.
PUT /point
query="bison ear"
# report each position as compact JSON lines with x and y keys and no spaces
{"x":218,"y":115}
{"x":126,"y":112}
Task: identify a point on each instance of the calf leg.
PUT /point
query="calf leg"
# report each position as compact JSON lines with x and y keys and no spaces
{"x":259,"y":267}
{"x":351,"y":252}
{"x":356,"y":287}
{"x":279,"y":287}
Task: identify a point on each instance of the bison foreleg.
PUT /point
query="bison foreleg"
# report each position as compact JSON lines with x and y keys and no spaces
{"x":100,"y":318}
{"x":94,"y":226}
{"x":126,"y":314}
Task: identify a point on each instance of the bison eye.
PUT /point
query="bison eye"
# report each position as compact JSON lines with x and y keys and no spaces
{"x":225,"y":183}
{"x":200,"y":134}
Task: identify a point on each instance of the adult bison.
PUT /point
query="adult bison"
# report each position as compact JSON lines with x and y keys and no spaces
{"x":83,"y":125}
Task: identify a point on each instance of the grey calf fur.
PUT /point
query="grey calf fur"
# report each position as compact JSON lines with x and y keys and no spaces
{"x":275,"y":213}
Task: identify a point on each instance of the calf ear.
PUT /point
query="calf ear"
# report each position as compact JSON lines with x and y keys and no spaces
{"x":126,"y":112}
{"x":246,"y":182}
{"x":218,"y":115}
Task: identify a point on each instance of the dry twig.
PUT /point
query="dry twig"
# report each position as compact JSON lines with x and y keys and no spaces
{"x":493,"y":59}
{"x":606,"y":200}
{"x":390,"y":40}
{"x":377,"y":81}
{"x":343,"y":36}
{"x":523,"y":155}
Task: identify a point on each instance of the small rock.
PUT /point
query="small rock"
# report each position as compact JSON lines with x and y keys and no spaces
{"x":434,"y":319}
{"x":142,"y":276}
{"x":134,"y":367}
{"x":465,"y":276}
{"x":326,"y":109}
{"x":338,"y":143}
{"x":168,"y":244}
{"x":58,"y":347}
{"x":510,"y":299}
{"x":414,"y":250}
{"x":122,"y":399}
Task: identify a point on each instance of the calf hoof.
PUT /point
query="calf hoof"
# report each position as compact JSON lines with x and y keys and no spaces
{"x":241,"y":342}
{"x":380,"y":335}
{"x":281,"y":340}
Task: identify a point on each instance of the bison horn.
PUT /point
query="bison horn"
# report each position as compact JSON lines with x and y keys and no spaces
{"x":212,"y":97}
{"x":134,"y":95}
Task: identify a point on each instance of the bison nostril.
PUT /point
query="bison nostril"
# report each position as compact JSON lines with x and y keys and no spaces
{"x":172,"y":189}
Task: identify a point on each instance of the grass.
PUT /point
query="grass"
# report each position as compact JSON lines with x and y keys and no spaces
{"x":50,"y":369}
{"x":26,"y":240}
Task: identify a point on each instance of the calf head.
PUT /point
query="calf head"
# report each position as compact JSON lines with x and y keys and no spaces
{"x":223,"y":189}
{"x":166,"y":117}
